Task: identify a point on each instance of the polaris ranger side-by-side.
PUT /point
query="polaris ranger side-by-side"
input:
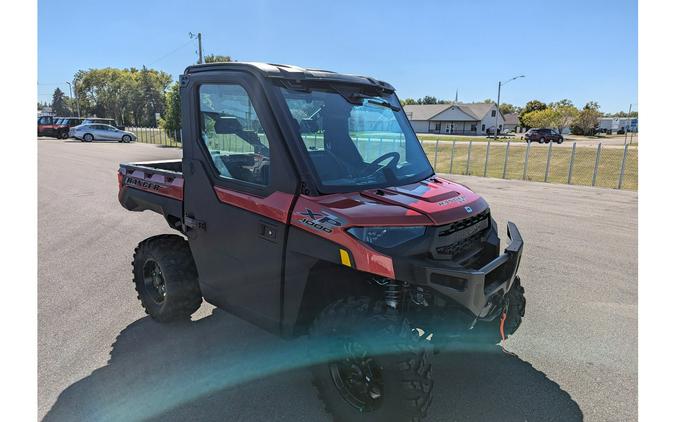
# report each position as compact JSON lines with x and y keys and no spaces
{"x":310,"y":207}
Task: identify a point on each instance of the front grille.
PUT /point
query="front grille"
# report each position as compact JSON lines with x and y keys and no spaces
{"x":462,"y":224}
{"x":461,"y":239}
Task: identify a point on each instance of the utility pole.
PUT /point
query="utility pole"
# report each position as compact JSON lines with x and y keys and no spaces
{"x":77,"y":101}
{"x":199,"y":42}
{"x":499,"y":92}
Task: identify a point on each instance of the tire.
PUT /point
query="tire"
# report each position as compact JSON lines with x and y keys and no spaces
{"x":88,"y":137}
{"x":63,"y":135}
{"x":126,"y":139}
{"x":165,"y":277}
{"x":398,"y":361}
{"x":489,"y":332}
{"x":541,"y":140}
{"x":559,"y":141}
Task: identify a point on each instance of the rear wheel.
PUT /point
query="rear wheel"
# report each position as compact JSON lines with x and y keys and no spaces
{"x":88,"y":137}
{"x":63,"y":135}
{"x":165,"y":278}
{"x":377,"y":369}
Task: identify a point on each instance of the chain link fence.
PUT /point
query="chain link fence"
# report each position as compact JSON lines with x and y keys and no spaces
{"x":609,"y":166}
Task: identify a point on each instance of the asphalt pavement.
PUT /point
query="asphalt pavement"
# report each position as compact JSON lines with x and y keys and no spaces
{"x":101,"y":358}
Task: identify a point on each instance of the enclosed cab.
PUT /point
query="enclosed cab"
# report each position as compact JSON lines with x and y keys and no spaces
{"x":309,"y":206}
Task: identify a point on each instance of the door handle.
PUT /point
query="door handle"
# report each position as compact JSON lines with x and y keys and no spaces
{"x":194,"y":224}
{"x":267,"y":231}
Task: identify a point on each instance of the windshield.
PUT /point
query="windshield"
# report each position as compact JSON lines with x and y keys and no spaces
{"x":356,"y":141}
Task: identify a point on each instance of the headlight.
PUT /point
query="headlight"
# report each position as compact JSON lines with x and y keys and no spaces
{"x":386,"y":237}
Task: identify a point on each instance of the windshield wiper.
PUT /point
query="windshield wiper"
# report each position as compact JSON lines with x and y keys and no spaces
{"x":358,"y":98}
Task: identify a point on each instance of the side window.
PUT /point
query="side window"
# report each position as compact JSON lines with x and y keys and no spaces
{"x":494,"y":113}
{"x":232,"y":133}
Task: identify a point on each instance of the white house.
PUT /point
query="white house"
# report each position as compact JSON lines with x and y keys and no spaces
{"x":455,"y":118}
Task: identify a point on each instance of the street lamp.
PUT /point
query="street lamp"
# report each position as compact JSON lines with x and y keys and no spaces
{"x":499,"y":92}
{"x":77,"y":101}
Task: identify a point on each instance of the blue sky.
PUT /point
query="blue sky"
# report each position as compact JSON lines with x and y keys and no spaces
{"x":581,"y":50}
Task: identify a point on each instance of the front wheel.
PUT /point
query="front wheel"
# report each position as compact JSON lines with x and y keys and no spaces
{"x":165,"y":277}
{"x":126,"y":139}
{"x":369,"y":363}
{"x":559,"y":141}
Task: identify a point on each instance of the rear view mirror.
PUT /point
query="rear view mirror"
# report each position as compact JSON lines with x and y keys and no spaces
{"x":226,"y":125}
{"x":309,"y":126}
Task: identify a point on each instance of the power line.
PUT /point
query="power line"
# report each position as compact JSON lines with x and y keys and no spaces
{"x":170,"y":52}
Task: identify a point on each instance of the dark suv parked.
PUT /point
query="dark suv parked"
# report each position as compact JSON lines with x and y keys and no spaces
{"x":543,"y":135}
{"x":63,"y":125}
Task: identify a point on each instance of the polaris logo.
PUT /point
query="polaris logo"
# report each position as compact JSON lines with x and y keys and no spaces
{"x":445,"y":202}
{"x":468,"y":209}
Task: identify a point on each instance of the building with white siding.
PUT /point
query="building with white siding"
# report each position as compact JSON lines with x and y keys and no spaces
{"x":455,"y":118}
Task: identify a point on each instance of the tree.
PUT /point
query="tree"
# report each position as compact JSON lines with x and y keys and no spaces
{"x":538,"y":118}
{"x":507,"y":108}
{"x":214,"y":58}
{"x":408,"y":101}
{"x":489,"y":101}
{"x":171,"y":120}
{"x":127,"y":95}
{"x":587,"y":120}
{"x":428,"y":100}
{"x":59,"y":103}
{"x":531,"y":106}
{"x":564,"y":114}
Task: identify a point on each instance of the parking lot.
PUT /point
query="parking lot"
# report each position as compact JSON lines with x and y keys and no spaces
{"x":101,"y":358}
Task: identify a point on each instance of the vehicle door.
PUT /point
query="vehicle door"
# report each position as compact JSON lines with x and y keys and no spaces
{"x":114,"y":134}
{"x":238,"y":193}
{"x":45,"y":125}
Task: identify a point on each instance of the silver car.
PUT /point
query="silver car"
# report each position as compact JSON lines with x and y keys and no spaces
{"x":100,"y":132}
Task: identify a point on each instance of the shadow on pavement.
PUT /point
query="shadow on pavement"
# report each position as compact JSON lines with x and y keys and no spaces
{"x":221,"y":368}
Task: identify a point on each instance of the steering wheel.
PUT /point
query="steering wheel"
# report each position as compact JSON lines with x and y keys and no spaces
{"x":395,"y":157}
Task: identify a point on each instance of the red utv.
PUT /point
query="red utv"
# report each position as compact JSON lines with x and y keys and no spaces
{"x":306,"y":205}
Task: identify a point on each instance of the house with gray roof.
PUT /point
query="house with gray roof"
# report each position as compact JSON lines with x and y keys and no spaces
{"x":455,"y":118}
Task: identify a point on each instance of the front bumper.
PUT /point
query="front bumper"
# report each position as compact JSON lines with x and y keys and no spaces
{"x":480,"y":291}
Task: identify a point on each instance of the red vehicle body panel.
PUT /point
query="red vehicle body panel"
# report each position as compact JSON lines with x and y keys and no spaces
{"x":431,"y":202}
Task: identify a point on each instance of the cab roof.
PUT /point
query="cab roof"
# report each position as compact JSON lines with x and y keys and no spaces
{"x":291,"y":72}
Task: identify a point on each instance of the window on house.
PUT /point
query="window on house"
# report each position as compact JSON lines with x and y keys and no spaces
{"x":494,"y":113}
{"x":482,"y":127}
{"x":473,"y":128}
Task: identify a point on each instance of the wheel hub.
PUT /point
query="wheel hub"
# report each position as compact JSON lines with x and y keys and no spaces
{"x":358,"y":378}
{"x":154,"y":281}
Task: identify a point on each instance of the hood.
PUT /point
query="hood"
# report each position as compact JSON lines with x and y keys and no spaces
{"x":434,"y":201}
